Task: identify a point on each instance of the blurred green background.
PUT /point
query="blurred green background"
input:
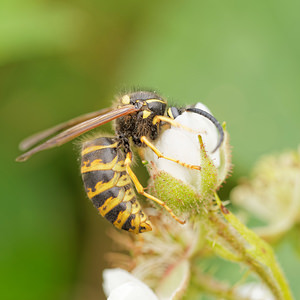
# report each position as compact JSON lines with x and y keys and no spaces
{"x":60,"y":59}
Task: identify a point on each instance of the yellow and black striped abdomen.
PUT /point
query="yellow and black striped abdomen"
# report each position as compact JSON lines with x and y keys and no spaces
{"x":109,"y":186}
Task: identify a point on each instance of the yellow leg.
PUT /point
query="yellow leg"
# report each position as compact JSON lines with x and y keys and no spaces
{"x":141,"y":190}
{"x":158,"y":119}
{"x":160,"y":155}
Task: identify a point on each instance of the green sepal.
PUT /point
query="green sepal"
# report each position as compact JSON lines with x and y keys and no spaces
{"x":225,"y":158}
{"x":209,"y":175}
{"x":180,"y":197}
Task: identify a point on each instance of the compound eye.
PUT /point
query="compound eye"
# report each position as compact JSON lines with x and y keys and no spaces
{"x":157,"y":106}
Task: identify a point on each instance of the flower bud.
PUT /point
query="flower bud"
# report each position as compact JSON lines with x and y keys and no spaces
{"x":183,"y":188}
{"x":272,"y":194}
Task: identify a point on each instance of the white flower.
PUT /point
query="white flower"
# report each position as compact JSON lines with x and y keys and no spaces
{"x":183,"y":145}
{"x":255,"y":291}
{"x":160,"y":260}
{"x":118,"y":284}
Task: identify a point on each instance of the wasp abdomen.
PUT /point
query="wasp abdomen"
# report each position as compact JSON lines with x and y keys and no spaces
{"x":109,"y":187}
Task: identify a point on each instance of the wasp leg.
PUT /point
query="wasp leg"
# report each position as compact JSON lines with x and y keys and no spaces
{"x":158,"y":119}
{"x":140,"y":189}
{"x":160,"y":155}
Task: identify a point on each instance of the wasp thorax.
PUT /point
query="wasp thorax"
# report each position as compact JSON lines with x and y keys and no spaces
{"x":139,"y":124}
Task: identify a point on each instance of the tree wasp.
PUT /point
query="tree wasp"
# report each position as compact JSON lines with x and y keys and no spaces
{"x":106,"y":161}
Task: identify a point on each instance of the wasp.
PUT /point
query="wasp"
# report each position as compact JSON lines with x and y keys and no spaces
{"x":109,"y":181}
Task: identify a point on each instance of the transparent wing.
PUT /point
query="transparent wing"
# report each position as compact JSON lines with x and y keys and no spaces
{"x":76,"y":130}
{"x":38,"y":137}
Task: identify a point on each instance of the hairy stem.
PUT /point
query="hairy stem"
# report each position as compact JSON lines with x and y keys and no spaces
{"x":248,"y":248}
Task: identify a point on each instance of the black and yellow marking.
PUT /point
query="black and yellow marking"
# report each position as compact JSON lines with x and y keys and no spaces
{"x":109,"y":186}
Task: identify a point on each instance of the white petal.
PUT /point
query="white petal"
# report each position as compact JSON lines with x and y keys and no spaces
{"x":132,"y":291}
{"x":255,"y":291}
{"x":118,"y":284}
{"x":175,"y":283}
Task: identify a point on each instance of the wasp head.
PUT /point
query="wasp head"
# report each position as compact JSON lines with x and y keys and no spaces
{"x":149,"y":103}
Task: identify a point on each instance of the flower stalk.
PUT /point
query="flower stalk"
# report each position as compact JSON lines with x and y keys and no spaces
{"x":251,"y":250}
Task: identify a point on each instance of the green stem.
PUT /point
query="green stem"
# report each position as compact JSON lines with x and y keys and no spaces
{"x":250,"y":249}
